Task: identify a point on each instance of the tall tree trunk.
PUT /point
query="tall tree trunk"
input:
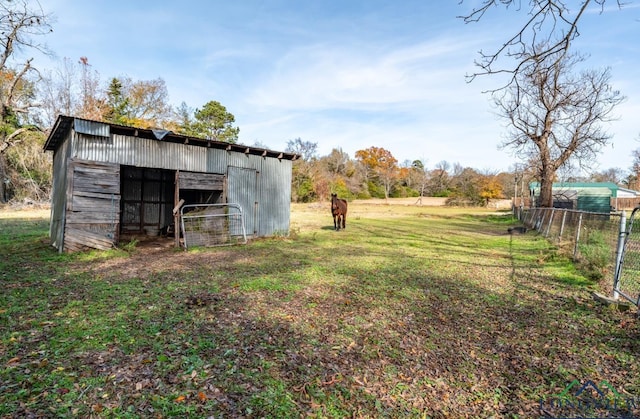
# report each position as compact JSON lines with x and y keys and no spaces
{"x":546,"y":187}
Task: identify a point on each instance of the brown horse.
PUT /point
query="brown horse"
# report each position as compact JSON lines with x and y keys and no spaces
{"x":339,"y":211}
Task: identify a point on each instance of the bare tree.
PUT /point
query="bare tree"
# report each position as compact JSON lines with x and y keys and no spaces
{"x":555,"y":116}
{"x":553,"y":23}
{"x":419,"y":177}
{"x":613,"y":174}
{"x":20,"y":25}
{"x":337,"y":162}
{"x":92,"y":103}
{"x":439,"y":179}
{"x":633,"y":179}
{"x":307,"y":150}
{"x":57,"y":92}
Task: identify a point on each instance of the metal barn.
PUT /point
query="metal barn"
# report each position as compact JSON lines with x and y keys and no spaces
{"x":111,"y":181}
{"x":582,"y":196}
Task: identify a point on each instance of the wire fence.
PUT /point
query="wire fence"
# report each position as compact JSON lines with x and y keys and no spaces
{"x":596,"y":240}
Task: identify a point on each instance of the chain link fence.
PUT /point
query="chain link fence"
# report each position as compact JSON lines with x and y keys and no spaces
{"x":596,"y":240}
{"x":627,"y":276}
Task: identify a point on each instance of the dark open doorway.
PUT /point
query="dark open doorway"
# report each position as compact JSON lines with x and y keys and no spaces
{"x":147,"y":200}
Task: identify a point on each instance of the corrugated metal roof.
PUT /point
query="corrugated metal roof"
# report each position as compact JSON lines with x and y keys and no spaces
{"x":65,"y":123}
{"x":578,"y":185}
{"x":92,"y":128}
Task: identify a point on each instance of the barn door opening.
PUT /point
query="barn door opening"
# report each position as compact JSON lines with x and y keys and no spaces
{"x":147,"y":200}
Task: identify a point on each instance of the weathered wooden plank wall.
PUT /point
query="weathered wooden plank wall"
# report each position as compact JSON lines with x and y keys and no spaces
{"x":93,"y":207}
{"x":200,"y":181}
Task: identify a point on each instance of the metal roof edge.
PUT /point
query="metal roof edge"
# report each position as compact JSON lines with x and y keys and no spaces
{"x":64,"y":123}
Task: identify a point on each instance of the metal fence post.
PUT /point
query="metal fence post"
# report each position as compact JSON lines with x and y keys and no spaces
{"x":622,"y":233}
{"x":564,"y":217}
{"x":550,"y":222}
{"x":575,"y":246}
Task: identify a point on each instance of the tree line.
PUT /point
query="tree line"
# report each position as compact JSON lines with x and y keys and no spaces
{"x":375,"y":173}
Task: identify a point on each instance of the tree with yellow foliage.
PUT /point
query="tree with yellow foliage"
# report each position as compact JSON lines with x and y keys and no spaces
{"x":490,"y":188}
{"x":381,"y":167}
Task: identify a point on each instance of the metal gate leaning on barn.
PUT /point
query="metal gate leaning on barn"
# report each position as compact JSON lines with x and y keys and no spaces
{"x":212,"y":225}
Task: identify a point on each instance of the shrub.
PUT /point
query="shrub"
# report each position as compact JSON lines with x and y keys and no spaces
{"x":595,"y":253}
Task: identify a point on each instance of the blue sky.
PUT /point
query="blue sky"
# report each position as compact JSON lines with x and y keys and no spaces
{"x":343,"y":74}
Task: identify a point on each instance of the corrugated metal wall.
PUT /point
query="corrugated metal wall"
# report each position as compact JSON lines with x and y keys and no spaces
{"x":242,"y":190}
{"x":275,"y":200}
{"x":600,"y":204}
{"x":141,"y":152}
{"x":271,"y":189}
{"x":59,"y":195}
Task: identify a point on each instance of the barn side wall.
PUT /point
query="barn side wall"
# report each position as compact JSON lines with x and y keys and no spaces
{"x":267,"y":201}
{"x":59,"y":194}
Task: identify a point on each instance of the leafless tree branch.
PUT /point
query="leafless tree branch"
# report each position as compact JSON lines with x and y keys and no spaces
{"x":550,"y":22}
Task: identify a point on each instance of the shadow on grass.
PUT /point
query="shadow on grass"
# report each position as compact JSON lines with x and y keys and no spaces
{"x":308,"y":327}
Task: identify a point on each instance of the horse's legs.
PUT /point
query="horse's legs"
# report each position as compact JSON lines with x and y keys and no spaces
{"x":344,"y":220}
{"x":335,"y":224}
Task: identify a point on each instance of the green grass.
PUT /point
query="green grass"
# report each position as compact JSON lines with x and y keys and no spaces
{"x":409,"y":312}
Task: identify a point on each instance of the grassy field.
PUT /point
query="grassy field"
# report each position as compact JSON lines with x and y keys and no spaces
{"x":409,"y":312}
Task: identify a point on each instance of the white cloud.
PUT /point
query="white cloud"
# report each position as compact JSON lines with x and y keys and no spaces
{"x":345,"y":75}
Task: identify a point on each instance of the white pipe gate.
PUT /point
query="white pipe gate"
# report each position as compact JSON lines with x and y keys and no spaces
{"x":212,"y":225}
